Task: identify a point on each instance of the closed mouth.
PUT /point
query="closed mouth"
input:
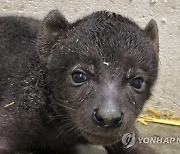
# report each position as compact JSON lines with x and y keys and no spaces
{"x":98,"y":137}
{"x":98,"y":134}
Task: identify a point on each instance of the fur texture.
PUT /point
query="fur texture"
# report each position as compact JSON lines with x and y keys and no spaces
{"x":55,"y":75}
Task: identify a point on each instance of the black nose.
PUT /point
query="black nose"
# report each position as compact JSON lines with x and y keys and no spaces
{"x":108,"y":118}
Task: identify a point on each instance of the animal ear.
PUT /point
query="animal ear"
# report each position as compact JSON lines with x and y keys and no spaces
{"x":151,"y":30}
{"x":53,"y":26}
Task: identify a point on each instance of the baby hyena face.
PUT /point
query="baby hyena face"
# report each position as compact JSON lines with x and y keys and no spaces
{"x":101,"y":69}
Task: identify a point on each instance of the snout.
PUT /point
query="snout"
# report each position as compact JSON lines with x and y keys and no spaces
{"x":109,"y":118}
{"x":107,"y":125}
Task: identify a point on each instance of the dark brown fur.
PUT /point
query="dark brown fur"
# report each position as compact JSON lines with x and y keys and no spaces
{"x":50,"y":112}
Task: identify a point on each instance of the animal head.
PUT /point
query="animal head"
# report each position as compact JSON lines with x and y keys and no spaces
{"x":101,"y":71}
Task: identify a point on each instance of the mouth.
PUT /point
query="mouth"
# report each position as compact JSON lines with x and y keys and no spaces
{"x":101,"y":139}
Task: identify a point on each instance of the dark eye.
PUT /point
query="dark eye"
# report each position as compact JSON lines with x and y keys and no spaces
{"x":79,"y":77}
{"x":137,"y":83}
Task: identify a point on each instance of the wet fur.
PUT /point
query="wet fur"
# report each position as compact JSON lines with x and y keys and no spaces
{"x":49,"y":114}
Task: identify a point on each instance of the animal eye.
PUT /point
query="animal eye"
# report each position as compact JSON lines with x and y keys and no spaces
{"x":79,"y":77}
{"x":137,"y":83}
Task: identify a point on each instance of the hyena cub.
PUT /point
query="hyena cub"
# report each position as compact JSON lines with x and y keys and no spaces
{"x":64,"y":84}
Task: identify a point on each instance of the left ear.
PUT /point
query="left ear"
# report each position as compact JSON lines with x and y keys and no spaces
{"x":151,"y":30}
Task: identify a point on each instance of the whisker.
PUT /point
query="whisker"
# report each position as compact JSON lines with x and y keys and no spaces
{"x":63,"y":128}
{"x":67,"y":107}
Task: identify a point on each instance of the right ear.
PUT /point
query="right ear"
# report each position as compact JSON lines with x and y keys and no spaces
{"x":151,"y":30}
{"x":52,"y":27}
